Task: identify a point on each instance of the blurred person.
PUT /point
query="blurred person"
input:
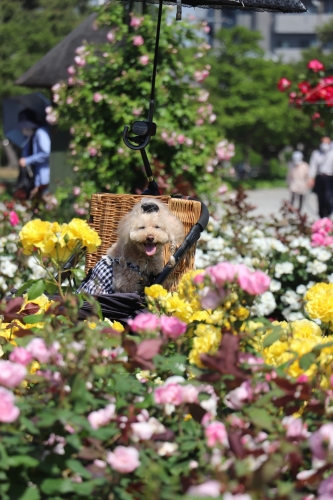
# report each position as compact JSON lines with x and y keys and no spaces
{"x":298,"y":178}
{"x":35,"y":152}
{"x":321,"y":176}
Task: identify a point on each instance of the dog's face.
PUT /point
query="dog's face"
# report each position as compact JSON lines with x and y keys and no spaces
{"x":148,"y":234}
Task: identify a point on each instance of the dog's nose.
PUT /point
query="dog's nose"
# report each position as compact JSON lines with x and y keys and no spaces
{"x":150,"y":239}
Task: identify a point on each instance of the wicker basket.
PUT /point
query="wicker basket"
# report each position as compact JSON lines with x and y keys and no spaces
{"x":107,"y":209}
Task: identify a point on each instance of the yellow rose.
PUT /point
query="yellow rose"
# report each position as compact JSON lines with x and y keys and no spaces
{"x":180,"y":308}
{"x":115,"y":325}
{"x":320,"y":302}
{"x":155,"y":291}
{"x":36,"y":233}
{"x":80,"y":230}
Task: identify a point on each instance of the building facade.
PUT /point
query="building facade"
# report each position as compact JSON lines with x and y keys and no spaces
{"x":283,"y":35}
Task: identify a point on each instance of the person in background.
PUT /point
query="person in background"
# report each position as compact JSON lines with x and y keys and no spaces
{"x":321,"y":176}
{"x":35,"y":152}
{"x":298,"y":178}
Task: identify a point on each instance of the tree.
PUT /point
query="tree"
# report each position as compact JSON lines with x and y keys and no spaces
{"x":109,"y":87}
{"x":28,"y":30}
{"x":248,"y":105}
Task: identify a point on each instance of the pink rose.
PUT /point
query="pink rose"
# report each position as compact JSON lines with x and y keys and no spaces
{"x":208,"y":489}
{"x":322,"y":226}
{"x":190,"y":393}
{"x":144,"y":322}
{"x":168,"y":394}
{"x":144,"y":60}
{"x":317,"y":239}
{"x":237,"y":398}
{"x":321,"y":442}
{"x":101,"y":417}
{"x":316,"y":65}
{"x":92,"y":151}
{"x":211,"y":299}
{"x":97,"y":97}
{"x":252,"y":283}
{"x":181,"y":139}
{"x":142,"y":430}
{"x":71,"y":70}
{"x":199,"y":278}
{"x":216,"y":433}
{"x":13,"y":218}
{"x":123,"y":459}
{"x":295,"y":427}
{"x":328,"y":241}
{"x":136,"y":22}
{"x":39,"y":350}
{"x":172,"y":327}
{"x":69,"y":100}
{"x":11,"y":374}
{"x":222,"y":189}
{"x":80,"y":61}
{"x":76,"y":190}
{"x":222,"y":273}
{"x":20,"y":355}
{"x":326,"y":488}
{"x":8,"y":411}
{"x":111,"y":36}
{"x":138,"y":40}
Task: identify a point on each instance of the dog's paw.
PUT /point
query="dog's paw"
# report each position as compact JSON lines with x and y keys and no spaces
{"x":172,"y":261}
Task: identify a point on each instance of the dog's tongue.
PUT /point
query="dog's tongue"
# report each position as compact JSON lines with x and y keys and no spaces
{"x":150,"y":249}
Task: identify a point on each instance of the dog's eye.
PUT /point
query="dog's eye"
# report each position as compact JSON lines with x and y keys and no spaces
{"x":157,"y":227}
{"x":143,"y":227}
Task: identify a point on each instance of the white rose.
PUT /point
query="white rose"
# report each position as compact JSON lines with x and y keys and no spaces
{"x":301,"y":258}
{"x":275,"y":286}
{"x":316,"y":267}
{"x":321,"y":254}
{"x":301,"y":289}
{"x":283,"y":268}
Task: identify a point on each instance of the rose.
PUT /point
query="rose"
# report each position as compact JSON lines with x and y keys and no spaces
{"x":80,"y":61}
{"x":169,"y":394}
{"x":216,"y":433}
{"x":21,"y":355}
{"x":97,"y":97}
{"x":190,"y":393}
{"x":111,"y":36}
{"x":172,"y":327}
{"x":101,"y":417}
{"x":136,"y":22}
{"x":71,"y":70}
{"x":38,"y":349}
{"x":211,"y":299}
{"x":11,"y":374}
{"x":92,"y":151}
{"x":123,"y":459}
{"x":295,"y":427}
{"x":283,"y":84}
{"x":144,"y":322}
{"x":142,"y":430}
{"x":237,"y":398}
{"x":76,"y":190}
{"x":222,"y":273}
{"x":8,"y":411}
{"x":316,"y":65}
{"x":144,"y":60}
{"x":208,"y":489}
{"x":138,"y":40}
{"x":253,"y":283}
{"x":321,"y":442}
{"x":13,"y":218}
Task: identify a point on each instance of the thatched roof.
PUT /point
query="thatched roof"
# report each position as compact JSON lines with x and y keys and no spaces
{"x":53,"y":66}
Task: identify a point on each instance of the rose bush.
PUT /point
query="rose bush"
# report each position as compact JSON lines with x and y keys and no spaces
{"x":110,"y":83}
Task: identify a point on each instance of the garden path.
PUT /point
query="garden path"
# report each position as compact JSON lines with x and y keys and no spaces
{"x":269,"y":201}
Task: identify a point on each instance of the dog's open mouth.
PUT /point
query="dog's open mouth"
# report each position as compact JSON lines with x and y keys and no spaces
{"x":150,"y":248}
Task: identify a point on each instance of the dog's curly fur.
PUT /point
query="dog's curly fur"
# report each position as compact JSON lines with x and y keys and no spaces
{"x":142,"y":235}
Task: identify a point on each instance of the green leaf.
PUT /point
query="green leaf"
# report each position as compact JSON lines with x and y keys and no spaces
{"x":272,"y":337}
{"x":76,"y":466}
{"x":36,"y":290}
{"x":22,"y":460}
{"x":33,"y":318}
{"x":78,"y":273}
{"x":31,"y":493}
{"x":260,"y":418}
{"x":24,"y":287}
{"x":50,"y":486}
{"x":307,"y":360}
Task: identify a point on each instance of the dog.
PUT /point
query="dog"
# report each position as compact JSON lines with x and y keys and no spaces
{"x":136,"y":258}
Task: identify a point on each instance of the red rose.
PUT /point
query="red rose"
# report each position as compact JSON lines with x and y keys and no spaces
{"x":283,"y":84}
{"x":304,"y":87}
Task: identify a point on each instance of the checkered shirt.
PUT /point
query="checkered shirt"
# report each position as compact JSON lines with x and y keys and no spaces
{"x":100,"y":279}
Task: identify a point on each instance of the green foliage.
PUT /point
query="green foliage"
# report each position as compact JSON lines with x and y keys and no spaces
{"x":112,"y":88}
{"x":248,"y":105}
{"x":28,"y":30}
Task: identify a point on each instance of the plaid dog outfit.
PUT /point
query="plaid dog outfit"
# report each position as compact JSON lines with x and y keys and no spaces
{"x":99,"y":280}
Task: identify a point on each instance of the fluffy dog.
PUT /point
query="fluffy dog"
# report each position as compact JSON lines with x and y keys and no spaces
{"x":136,"y":258}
